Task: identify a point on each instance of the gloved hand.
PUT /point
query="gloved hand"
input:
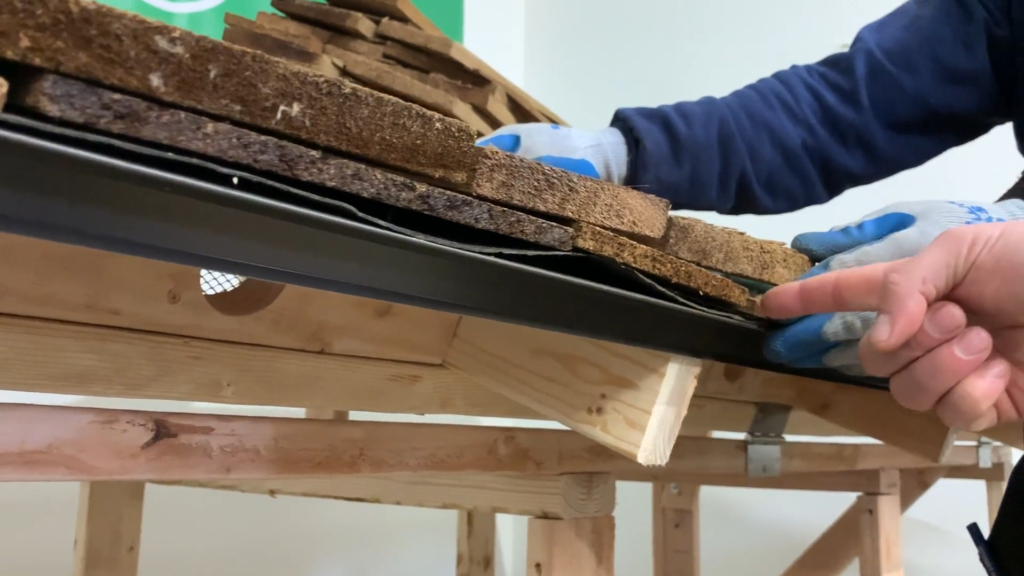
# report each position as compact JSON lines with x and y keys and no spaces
{"x":601,"y":154}
{"x":894,"y":232}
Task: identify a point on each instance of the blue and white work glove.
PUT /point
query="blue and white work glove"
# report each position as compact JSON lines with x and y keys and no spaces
{"x":894,"y":232}
{"x":601,"y":154}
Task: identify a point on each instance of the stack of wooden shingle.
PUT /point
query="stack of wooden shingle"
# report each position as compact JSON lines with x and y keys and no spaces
{"x":104,"y":70}
{"x":389,"y":46}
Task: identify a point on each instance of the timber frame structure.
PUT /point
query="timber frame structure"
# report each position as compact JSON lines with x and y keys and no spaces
{"x":450,"y":295}
{"x":82,"y":321}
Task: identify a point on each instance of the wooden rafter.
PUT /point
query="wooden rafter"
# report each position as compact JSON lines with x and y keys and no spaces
{"x":873,"y":413}
{"x":74,"y":284}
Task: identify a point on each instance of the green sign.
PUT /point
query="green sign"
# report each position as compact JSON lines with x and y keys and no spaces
{"x":207,"y":16}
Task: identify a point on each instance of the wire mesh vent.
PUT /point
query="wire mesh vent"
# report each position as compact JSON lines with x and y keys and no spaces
{"x":218,"y":282}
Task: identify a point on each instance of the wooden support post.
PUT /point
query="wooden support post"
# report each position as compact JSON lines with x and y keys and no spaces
{"x":839,"y":545}
{"x":994,"y":489}
{"x":109,"y":528}
{"x":628,"y":399}
{"x":477,"y":531}
{"x":580,"y":547}
{"x":881,"y":551}
{"x":676,"y":518}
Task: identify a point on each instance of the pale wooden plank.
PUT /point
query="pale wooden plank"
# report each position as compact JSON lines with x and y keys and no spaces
{"x":61,"y":358}
{"x":869,"y":412}
{"x":861,"y":481}
{"x":582,"y":547}
{"x":881,"y":550}
{"x":64,"y":282}
{"x":56,"y":357}
{"x":839,"y":545}
{"x":626,"y":398}
{"x":475,"y":545}
{"x":676,"y":528}
{"x":565,"y":496}
{"x":60,"y":443}
{"x":109,"y":528}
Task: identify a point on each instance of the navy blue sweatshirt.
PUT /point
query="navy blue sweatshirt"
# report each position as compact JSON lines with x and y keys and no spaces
{"x":931,"y":75}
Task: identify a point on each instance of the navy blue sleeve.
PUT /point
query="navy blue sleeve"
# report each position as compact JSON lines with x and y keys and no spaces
{"x":929,"y":76}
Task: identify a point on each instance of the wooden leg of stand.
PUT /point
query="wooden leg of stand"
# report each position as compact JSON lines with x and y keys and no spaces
{"x":881,"y":551}
{"x":109,"y":528}
{"x":676,"y":518}
{"x":578,"y":547}
{"x":476,"y":543}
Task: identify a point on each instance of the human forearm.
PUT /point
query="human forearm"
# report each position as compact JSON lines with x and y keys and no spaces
{"x":913,"y":84}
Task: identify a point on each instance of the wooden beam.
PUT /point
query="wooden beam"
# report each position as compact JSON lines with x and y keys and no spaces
{"x":676,"y":527}
{"x":881,"y":550}
{"x":475,"y":545}
{"x":109,"y":528}
{"x":60,"y":443}
{"x":565,"y":496}
{"x":582,"y":547}
{"x":869,"y":412}
{"x":630,"y":400}
{"x":1002,"y":457}
{"x":883,"y":481}
{"x":63,"y":282}
{"x":839,"y":545}
{"x":62,"y":358}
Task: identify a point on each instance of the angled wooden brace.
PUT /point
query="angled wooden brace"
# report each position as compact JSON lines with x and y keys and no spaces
{"x":840,"y":544}
{"x":631,"y":400}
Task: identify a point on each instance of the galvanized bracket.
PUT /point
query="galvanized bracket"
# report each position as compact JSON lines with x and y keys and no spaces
{"x":984,"y":452}
{"x":764,"y":440}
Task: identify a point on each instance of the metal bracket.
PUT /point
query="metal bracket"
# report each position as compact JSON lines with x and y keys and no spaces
{"x":764,"y":440}
{"x":984,"y":452}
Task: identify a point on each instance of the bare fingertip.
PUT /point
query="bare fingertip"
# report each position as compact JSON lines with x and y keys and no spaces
{"x":972,"y":343}
{"x":996,"y":369}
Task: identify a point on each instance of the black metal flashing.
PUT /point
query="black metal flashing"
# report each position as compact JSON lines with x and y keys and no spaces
{"x":71,"y":187}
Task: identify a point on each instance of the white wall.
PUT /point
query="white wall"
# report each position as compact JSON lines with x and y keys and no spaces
{"x":585,"y":58}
